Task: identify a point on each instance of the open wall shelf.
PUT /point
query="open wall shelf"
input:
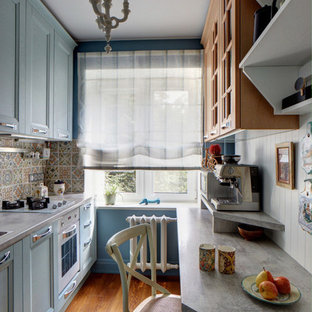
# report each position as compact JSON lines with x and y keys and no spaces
{"x":282,"y":54}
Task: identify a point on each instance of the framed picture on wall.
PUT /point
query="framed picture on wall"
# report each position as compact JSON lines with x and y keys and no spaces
{"x":284,"y":154}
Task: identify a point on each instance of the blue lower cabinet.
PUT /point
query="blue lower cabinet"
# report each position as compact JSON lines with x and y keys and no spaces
{"x":11,"y":279}
{"x":111,"y":221}
{"x":39,"y":267}
{"x":87,"y":237}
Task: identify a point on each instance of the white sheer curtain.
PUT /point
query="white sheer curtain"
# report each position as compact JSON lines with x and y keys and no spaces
{"x":140,"y":109}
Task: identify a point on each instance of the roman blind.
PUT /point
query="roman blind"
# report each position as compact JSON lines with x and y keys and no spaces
{"x":140,"y":109}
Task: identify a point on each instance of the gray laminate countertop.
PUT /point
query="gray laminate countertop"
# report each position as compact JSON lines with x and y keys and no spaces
{"x":213,"y":291}
{"x":19,"y":225}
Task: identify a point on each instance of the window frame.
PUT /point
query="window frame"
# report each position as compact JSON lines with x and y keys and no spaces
{"x":95,"y":186}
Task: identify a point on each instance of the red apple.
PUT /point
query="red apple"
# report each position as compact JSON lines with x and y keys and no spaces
{"x":282,"y":284}
{"x":268,"y":290}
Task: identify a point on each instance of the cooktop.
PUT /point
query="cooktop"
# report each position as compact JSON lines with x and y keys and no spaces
{"x":35,"y":205}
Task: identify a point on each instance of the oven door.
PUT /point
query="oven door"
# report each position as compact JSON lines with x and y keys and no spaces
{"x":68,"y":264}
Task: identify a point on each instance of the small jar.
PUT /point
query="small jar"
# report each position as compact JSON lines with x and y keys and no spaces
{"x":41,"y":190}
{"x":59,"y":188}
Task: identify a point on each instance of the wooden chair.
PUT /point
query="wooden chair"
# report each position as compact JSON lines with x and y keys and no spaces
{"x":154,"y":303}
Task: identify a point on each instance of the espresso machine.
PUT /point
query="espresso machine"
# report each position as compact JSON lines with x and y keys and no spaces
{"x":234,"y":187}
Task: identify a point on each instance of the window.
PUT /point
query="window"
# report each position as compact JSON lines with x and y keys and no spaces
{"x":133,"y":186}
{"x":170,"y":182}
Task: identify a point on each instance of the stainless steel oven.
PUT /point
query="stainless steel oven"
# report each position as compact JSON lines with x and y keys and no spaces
{"x":68,"y":248}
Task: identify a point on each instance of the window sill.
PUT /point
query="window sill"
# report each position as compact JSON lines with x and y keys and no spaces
{"x":136,"y":206}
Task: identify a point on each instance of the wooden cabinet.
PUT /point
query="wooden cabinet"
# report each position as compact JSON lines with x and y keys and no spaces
{"x":39,"y":52}
{"x":62,"y":89}
{"x":39,"y":266}
{"x":11,"y":279}
{"x":231,"y":100}
{"x":12,"y":17}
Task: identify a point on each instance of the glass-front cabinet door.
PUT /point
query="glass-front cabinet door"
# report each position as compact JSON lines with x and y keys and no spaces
{"x":212,"y":54}
{"x":228,"y":63}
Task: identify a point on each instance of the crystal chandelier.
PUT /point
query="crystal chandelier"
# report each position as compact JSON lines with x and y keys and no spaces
{"x":106,"y":22}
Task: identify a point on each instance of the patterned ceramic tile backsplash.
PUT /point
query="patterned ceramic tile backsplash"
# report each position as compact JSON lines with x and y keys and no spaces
{"x":65,"y":164}
{"x":15,"y":170}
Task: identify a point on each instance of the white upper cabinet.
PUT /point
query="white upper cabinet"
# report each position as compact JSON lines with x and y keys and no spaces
{"x":62,"y":88}
{"x":12,"y":18}
{"x":39,"y":52}
{"x":281,"y":54}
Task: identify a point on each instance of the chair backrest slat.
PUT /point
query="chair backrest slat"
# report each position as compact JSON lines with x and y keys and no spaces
{"x":112,"y":248}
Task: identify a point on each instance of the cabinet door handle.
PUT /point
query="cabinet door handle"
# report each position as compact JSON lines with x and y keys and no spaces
{"x":87,"y":224}
{"x":5,"y":257}
{"x":213,"y":132}
{"x":41,"y":131}
{"x":205,"y":136}
{"x":63,"y":136}
{"x":225,"y":125}
{"x":70,"y":232}
{"x":36,"y":237}
{"x":85,"y":244}
{"x":8,"y":125}
{"x":86,"y":207}
{"x":68,"y":292}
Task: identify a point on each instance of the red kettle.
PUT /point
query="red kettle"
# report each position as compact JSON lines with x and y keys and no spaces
{"x":262,"y":18}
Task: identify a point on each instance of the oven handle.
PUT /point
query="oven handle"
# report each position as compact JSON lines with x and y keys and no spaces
{"x":70,"y":232}
{"x":5,"y":257}
{"x":68,"y":292}
{"x":36,"y":237}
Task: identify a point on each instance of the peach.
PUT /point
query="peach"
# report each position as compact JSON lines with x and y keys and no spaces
{"x":268,"y":290}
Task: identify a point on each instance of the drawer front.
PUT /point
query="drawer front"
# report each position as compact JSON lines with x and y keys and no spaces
{"x":86,"y":212}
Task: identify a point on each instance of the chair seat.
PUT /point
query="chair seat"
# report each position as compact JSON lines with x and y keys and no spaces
{"x":160,"y":303}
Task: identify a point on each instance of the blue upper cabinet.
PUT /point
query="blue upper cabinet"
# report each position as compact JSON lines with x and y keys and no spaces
{"x":62,"y":88}
{"x":12,"y":19}
{"x":36,"y":71}
{"x":39,"y":69}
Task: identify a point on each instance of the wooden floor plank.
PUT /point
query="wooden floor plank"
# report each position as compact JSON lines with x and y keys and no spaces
{"x":103,"y":293}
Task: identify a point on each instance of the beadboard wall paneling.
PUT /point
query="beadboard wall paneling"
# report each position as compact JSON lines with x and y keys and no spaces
{"x":278,"y":202}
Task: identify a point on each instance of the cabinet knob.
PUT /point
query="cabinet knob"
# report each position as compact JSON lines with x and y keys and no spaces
{"x":213,"y":132}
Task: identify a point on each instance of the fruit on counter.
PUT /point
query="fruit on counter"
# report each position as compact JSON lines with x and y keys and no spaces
{"x":215,"y":149}
{"x":282,"y":284}
{"x":268,"y":290}
{"x":264,"y":275}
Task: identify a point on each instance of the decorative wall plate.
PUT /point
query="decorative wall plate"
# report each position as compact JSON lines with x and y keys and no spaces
{"x":306,"y":150}
{"x":305,"y":207}
{"x":249,"y":286}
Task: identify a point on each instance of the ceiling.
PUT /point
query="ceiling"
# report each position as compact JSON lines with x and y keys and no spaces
{"x":149,"y":19}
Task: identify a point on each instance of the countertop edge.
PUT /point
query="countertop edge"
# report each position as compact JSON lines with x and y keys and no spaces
{"x":14,"y":236}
